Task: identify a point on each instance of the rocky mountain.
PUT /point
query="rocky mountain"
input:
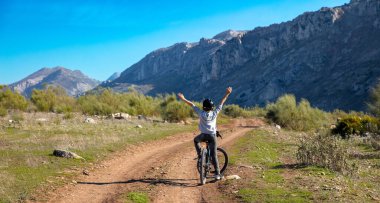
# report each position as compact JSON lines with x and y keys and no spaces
{"x":113,"y":76}
{"x":74,"y":82}
{"x":330,"y":57}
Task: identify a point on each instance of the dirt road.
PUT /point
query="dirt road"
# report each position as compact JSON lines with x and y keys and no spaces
{"x":165,"y":169}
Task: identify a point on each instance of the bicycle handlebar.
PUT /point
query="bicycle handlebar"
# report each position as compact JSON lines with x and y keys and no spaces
{"x":219,"y":135}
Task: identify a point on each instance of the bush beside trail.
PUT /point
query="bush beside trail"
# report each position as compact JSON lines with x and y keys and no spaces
{"x":356,"y":125}
{"x":301,"y":117}
{"x":327,"y":151}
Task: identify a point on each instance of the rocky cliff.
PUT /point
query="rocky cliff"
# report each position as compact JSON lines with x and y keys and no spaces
{"x":74,"y":82}
{"x":330,"y":57}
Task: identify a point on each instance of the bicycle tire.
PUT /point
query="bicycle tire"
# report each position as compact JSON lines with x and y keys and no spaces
{"x":203,"y":165}
{"x":222,"y":159}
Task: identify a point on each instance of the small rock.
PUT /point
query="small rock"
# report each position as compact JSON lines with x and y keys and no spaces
{"x":141,"y":117}
{"x":246,"y":166}
{"x":374,"y":198}
{"x":278,"y":127}
{"x":187,"y":122}
{"x":86,"y":172}
{"x":90,"y":120}
{"x":41,"y":119}
{"x":121,"y":116}
{"x":233,"y":177}
{"x":326,"y":187}
{"x":66,"y":154}
{"x":138,"y":126}
{"x":338,"y":188}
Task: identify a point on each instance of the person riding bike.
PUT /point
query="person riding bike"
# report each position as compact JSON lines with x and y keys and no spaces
{"x":207,"y":126}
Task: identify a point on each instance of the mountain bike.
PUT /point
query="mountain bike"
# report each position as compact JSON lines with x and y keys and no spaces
{"x":205,"y":165}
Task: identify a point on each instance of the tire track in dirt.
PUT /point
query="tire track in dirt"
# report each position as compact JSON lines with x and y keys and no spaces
{"x":166,"y":168}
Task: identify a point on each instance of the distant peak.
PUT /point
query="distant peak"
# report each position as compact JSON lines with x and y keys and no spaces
{"x":228,"y":34}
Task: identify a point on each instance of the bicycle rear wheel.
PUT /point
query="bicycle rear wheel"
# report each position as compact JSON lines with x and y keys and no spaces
{"x":203,"y":167}
{"x":222,"y":159}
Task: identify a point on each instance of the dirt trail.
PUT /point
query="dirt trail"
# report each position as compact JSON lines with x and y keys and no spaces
{"x":165,"y":168}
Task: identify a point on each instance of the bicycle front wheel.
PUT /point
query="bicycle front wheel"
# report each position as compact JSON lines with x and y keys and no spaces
{"x":203,"y":167}
{"x":222,"y":159}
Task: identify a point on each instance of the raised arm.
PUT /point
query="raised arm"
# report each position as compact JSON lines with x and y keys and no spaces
{"x":180,"y":95}
{"x":228,"y":92}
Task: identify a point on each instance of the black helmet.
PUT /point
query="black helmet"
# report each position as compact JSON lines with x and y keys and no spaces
{"x":208,"y":105}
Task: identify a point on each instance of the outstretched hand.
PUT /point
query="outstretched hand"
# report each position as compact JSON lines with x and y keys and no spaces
{"x":229,"y":90}
{"x":180,"y":95}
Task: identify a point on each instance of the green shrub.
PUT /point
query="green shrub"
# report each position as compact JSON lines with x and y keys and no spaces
{"x":3,"y":112}
{"x":43,"y":99}
{"x":176,"y":111}
{"x":288,"y":114}
{"x":107,"y":102}
{"x":68,"y":115}
{"x":234,"y":111}
{"x":352,"y":124}
{"x":256,"y":112}
{"x":135,"y":103}
{"x":89,"y":104}
{"x":327,"y":151}
{"x":12,"y":100}
{"x":53,"y":99}
{"x":374,"y":101}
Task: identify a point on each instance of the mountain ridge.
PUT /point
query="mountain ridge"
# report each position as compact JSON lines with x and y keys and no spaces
{"x":74,"y":82}
{"x":330,"y":57}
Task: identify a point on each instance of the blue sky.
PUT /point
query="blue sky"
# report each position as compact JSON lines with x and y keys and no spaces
{"x":100,"y":37}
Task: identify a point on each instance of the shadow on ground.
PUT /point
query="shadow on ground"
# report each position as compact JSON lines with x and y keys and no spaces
{"x":289,"y":166}
{"x":150,"y":181}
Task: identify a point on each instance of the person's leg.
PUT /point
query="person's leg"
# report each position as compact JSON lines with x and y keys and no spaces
{"x":197,"y":143}
{"x":213,"y":152}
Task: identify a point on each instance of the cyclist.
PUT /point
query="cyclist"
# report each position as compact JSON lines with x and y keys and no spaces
{"x":207,"y":126}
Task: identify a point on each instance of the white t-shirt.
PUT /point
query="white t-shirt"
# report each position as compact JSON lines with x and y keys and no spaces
{"x":207,"y":120}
